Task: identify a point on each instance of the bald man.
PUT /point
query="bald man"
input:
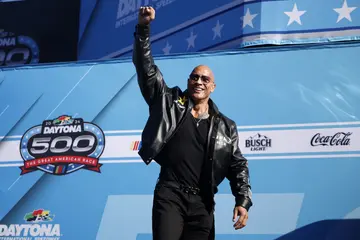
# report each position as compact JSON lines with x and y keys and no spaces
{"x":194,"y":143}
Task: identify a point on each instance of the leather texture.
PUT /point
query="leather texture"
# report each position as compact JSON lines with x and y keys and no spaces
{"x":167,"y":107}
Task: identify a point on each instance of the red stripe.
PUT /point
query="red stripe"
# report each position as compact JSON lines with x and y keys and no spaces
{"x":59,"y":169}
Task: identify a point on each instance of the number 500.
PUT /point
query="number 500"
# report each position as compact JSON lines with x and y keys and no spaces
{"x":7,"y":57}
{"x":44,"y":144}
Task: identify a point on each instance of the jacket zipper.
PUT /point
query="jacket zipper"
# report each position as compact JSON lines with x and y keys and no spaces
{"x":209,"y":155}
{"x":209,"y":134}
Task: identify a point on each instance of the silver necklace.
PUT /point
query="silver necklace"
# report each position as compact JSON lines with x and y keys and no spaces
{"x":201,"y":117}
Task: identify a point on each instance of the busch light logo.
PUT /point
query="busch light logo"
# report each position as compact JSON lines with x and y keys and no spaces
{"x":258,"y":142}
{"x":33,"y":230}
{"x":338,"y":139}
{"x":61,"y":146}
{"x":17,"y":50}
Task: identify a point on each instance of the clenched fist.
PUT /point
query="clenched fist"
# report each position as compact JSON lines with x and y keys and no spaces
{"x":146,"y":15}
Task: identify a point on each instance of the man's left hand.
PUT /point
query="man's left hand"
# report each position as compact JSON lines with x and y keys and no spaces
{"x":242,"y":215}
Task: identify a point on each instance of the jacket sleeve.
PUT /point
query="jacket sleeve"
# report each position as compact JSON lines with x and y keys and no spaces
{"x":238,"y":174}
{"x":149,"y":77}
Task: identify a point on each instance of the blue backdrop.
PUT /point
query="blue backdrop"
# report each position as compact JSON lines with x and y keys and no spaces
{"x":303,"y":101}
{"x":106,"y":27}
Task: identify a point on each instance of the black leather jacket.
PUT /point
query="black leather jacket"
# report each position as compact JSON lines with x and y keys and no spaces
{"x":167,"y":107}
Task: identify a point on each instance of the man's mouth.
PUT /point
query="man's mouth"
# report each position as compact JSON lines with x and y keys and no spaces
{"x":198,"y":89}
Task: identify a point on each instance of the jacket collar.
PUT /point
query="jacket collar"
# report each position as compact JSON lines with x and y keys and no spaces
{"x":213,"y":108}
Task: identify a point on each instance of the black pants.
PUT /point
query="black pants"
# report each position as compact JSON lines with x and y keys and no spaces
{"x":178,"y":215}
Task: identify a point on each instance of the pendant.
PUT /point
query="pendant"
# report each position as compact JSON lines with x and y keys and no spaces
{"x":197,"y":124}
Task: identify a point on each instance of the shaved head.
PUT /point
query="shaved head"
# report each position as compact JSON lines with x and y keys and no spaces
{"x":204,"y":68}
{"x":200,"y":90}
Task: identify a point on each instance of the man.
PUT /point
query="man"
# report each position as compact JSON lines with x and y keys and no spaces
{"x":193,"y":142}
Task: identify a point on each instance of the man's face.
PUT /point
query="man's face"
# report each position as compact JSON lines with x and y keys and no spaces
{"x":201,"y":83}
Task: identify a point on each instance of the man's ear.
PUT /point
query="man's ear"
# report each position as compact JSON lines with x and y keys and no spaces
{"x":213,"y":87}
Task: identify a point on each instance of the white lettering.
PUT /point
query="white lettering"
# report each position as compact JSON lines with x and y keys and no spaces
{"x":15,"y":238}
{"x":12,"y":230}
{"x":56,"y":230}
{"x":34,"y":230}
{"x":128,"y":9}
{"x":7,"y":42}
{"x":62,"y":129}
{"x":3,"y":230}
{"x":127,"y":6}
{"x":46,"y":238}
{"x":26,"y":228}
{"x":163,"y":3}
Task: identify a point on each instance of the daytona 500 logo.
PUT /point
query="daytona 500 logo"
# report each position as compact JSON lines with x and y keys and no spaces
{"x":17,"y":50}
{"x":62,"y":146}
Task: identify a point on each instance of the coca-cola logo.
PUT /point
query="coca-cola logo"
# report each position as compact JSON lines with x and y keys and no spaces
{"x":338,"y":139}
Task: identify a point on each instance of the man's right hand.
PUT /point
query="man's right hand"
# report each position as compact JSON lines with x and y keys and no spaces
{"x":146,"y":15}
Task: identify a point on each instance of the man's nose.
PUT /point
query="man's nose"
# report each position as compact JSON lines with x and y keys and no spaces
{"x":198,"y":81}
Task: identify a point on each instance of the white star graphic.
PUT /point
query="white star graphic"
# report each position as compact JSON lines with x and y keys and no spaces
{"x":294,"y":15}
{"x":344,"y":12}
{"x":167,"y":48}
{"x":217,"y":29}
{"x":191,"y":40}
{"x":247,"y":19}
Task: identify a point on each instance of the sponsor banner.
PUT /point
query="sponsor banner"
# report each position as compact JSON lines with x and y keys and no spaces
{"x":216,"y":25}
{"x":115,"y":20}
{"x":35,"y":31}
{"x":251,"y":142}
{"x":300,"y":141}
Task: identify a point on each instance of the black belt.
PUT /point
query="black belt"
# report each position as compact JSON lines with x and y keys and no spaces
{"x":186,"y":189}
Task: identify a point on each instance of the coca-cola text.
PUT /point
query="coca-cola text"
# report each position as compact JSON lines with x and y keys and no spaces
{"x":338,"y":139}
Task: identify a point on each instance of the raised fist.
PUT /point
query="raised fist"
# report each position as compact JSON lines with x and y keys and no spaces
{"x":146,"y":15}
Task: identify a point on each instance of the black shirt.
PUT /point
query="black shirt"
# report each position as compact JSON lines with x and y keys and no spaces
{"x":184,"y":155}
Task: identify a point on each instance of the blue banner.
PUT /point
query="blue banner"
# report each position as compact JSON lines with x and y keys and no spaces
{"x":303,"y":111}
{"x":38,"y":31}
{"x":188,"y":26}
